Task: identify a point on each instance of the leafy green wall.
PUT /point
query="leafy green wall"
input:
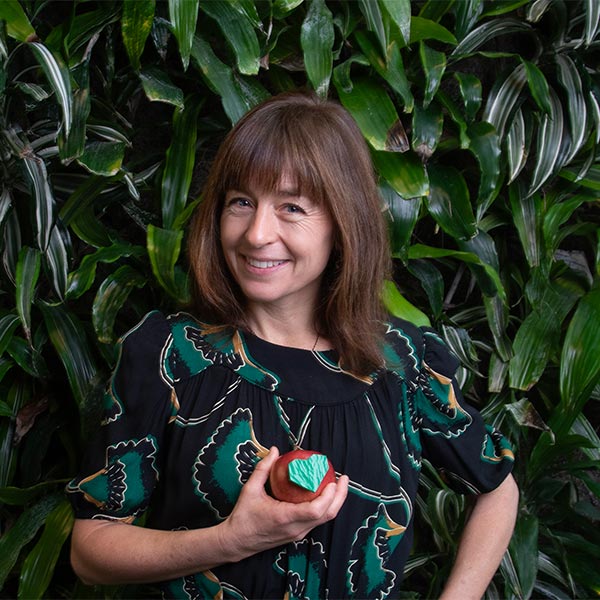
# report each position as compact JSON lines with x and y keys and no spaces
{"x":484,"y":122}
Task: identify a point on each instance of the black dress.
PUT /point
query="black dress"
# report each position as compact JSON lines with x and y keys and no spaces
{"x":190,"y":410}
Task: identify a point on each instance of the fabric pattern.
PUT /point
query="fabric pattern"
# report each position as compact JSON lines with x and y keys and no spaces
{"x":191,"y":409}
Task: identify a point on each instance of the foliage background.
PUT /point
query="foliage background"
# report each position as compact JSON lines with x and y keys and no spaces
{"x":484,"y":122}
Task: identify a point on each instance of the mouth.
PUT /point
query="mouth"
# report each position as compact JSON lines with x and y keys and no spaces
{"x":264,"y":264}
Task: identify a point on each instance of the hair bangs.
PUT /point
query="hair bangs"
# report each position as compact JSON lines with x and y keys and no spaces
{"x":261,"y":157}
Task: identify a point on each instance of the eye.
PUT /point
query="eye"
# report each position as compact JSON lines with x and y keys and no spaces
{"x":238,"y":202}
{"x":294,"y":209}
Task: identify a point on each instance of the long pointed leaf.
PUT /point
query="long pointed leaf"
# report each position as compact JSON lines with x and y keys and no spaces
{"x":56,"y":259}
{"x":404,"y":172}
{"x":401,"y":307}
{"x":136,"y":23}
{"x":111,"y":295}
{"x":316,"y":38}
{"x":434,"y":66}
{"x":38,"y":567}
{"x":399,"y":11}
{"x":59,"y":80}
{"x":179,"y":164}
{"x":374,"y":19}
{"x":28,"y":271}
{"x":103,"y":158}
{"x":184,"y":15}
{"x":239,"y":33}
{"x":487,"y":31}
{"x":164,"y":247}
{"x":516,"y":146}
{"x":18,"y":25}
{"x":68,"y":338}
{"x":484,"y":143}
{"x":159,"y":88}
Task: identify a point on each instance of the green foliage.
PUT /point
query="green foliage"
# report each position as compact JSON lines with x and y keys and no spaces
{"x":484,"y":123}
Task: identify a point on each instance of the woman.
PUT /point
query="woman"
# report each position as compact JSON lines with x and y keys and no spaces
{"x":289,"y":347}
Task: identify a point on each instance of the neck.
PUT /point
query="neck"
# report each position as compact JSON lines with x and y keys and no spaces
{"x":295,"y":330}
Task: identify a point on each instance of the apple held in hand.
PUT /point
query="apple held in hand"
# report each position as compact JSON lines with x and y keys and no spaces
{"x":300,"y":476}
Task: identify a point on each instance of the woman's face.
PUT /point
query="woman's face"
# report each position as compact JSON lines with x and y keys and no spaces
{"x":277,"y":245}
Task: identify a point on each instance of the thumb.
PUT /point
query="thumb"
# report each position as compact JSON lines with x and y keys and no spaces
{"x":263,"y":468}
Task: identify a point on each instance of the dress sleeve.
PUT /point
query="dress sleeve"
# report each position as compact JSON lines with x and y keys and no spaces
{"x":122,"y":464}
{"x":470,"y":455}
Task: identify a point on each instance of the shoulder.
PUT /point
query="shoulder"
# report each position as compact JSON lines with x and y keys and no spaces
{"x":407,"y":345}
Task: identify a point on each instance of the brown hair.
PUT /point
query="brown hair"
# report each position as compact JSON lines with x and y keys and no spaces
{"x":320,"y":146}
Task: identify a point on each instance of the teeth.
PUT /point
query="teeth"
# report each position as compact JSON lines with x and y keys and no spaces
{"x":264,"y":264}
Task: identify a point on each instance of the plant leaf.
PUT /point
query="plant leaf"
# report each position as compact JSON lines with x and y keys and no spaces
{"x":400,"y":307}
{"x":434,"y":66}
{"x":18,"y":25}
{"x":159,"y":88}
{"x":68,"y":338}
{"x":449,"y":203}
{"x":404,"y":172}
{"x":374,"y":19}
{"x":523,"y":546}
{"x":316,"y":38}
{"x":400,"y":12}
{"x":487,"y":31}
{"x":179,"y":164}
{"x":111,"y":295}
{"x":425,"y":29}
{"x":239,"y":33}
{"x":579,"y":365}
{"x":373,"y":111}
{"x":23,"y":531}
{"x":470,"y":90}
{"x":404,"y":215}
{"x":164,"y":247}
{"x":527,"y":213}
{"x":136,"y":23}
{"x":427,"y":129}
{"x":103,"y":158}
{"x":56,"y":260}
{"x":8,"y":324}
{"x":516,"y":146}
{"x":184,"y":15}
{"x":38,"y":567}
{"x":28,"y":271}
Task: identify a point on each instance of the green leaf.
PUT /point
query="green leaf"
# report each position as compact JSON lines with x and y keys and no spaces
{"x":136,"y":23}
{"x":404,"y":215}
{"x":391,"y":68}
{"x":400,"y":307}
{"x":502,"y":101}
{"x":23,"y":531}
{"x":179,"y":163}
{"x":103,"y":158}
{"x":484,"y":247}
{"x":418,"y":251}
{"x":110,"y":298}
{"x":550,"y":136}
{"x":15,"y":496}
{"x":164,"y":247}
{"x":236,"y":98}
{"x":18,"y":25}
{"x":73,"y":145}
{"x":486,"y":32}
{"x":431,"y":280}
{"x":400,"y":12}
{"x":484,"y":143}
{"x":184,"y":15}
{"x":374,"y":112}
{"x":38,"y":567}
{"x":82,"y":198}
{"x":579,"y":364}
{"x":527,"y":213}
{"x":449,"y":203}
{"x":538,"y":86}
{"x":81,"y":280}
{"x":470,"y":90}
{"x":374,"y":20}
{"x":8,"y":324}
{"x":404,"y":172}
{"x":497,"y":318}
{"x":434,"y":66}
{"x":427,"y":129}
{"x":425,"y":29}
{"x":58,"y":78}
{"x":316,"y":38}
{"x":517,"y":146}
{"x":239,"y":33}
{"x":28,"y":271}
{"x":159,"y":88}
{"x":68,"y":338}
{"x":570,"y":79}
{"x":523,"y":546}
{"x":592,"y":20}
{"x":56,"y":261}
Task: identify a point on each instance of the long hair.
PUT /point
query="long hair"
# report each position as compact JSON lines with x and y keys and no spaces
{"x":319,"y":146}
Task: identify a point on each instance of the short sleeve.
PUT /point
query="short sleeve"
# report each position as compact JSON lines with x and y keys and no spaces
{"x":122,"y":463}
{"x":471,"y":456}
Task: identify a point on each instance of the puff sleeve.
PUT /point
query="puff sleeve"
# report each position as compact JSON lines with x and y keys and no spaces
{"x":470,"y":455}
{"x":122,"y":463}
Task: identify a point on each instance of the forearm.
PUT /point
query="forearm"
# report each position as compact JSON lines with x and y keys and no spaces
{"x":483,"y":542}
{"x":109,"y":552}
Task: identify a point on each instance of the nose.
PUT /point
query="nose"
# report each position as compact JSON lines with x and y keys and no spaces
{"x":262,"y":227}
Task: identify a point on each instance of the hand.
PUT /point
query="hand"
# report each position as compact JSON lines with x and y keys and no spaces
{"x":259,"y":522}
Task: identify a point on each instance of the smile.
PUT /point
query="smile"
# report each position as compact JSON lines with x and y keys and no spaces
{"x":264,"y":264}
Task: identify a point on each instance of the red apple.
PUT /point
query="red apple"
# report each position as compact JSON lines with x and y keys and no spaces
{"x":300,"y":476}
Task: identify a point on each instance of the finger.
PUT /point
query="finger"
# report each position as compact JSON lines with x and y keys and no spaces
{"x":261,"y":472}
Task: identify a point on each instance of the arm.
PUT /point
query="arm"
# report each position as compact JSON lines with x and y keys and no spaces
{"x":483,"y":542}
{"x":112,"y":552}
